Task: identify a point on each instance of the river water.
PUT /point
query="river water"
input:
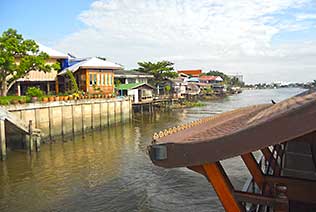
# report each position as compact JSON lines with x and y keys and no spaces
{"x":109,"y":170}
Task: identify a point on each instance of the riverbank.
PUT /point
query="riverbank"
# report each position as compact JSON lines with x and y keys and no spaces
{"x":109,"y":169}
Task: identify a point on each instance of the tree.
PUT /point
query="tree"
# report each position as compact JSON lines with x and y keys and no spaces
{"x":17,"y":58}
{"x":161,"y":70}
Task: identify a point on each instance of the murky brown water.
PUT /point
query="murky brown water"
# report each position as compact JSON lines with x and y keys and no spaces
{"x":109,"y":170}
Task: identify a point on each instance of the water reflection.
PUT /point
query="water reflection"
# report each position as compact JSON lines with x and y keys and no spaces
{"x":109,"y":170}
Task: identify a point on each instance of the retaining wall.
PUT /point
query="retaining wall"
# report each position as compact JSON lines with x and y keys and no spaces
{"x":60,"y":118}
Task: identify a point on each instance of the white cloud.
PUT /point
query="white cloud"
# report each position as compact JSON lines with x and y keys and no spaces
{"x":233,"y":36}
{"x":305,"y":16}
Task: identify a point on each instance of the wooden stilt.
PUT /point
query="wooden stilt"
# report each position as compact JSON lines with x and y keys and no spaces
{"x":3,"y":146}
{"x":30,"y":141}
{"x":222,"y":186}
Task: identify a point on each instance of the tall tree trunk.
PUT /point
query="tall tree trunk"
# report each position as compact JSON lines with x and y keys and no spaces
{"x":4,"y":88}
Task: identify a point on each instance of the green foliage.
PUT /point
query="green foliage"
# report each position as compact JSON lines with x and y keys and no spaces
{"x":73,"y":82}
{"x":193,"y":104}
{"x":6,"y":100}
{"x":117,"y":83}
{"x":18,"y":57}
{"x":167,"y":88}
{"x":160,"y":70}
{"x":34,"y":92}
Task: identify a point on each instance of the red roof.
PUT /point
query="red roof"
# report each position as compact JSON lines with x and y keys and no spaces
{"x":210,"y":78}
{"x":204,"y":77}
{"x":194,"y":73}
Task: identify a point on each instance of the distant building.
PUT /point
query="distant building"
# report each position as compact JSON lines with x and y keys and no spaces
{"x":138,"y":91}
{"x":192,"y":73}
{"x":93,"y":75}
{"x":210,"y":79}
{"x":238,"y":76}
{"x":126,"y":77}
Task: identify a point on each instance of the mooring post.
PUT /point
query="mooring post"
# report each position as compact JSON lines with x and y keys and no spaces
{"x":30,"y":141}
{"x":38,"y":143}
{"x":3,"y":146}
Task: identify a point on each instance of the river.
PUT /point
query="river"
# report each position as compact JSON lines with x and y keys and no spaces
{"x":109,"y":170}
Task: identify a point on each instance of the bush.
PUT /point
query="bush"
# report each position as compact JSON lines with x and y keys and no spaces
{"x":34,"y":92}
{"x":6,"y":100}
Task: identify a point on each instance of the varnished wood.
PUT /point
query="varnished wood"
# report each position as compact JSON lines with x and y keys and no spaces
{"x":222,"y":186}
{"x":254,"y":169}
{"x":297,"y":189}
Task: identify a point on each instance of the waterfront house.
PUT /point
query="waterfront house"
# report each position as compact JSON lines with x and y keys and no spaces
{"x":130,"y":76}
{"x":137,"y":91}
{"x":210,"y":79}
{"x":192,"y":80}
{"x":191,"y":73}
{"x":93,"y":75}
{"x":45,"y":81}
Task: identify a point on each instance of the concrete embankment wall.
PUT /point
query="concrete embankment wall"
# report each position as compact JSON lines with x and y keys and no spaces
{"x":61,"y":118}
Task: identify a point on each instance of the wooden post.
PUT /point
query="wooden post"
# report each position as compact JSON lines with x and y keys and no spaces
{"x":254,"y":169}
{"x":57,"y":86}
{"x":19,"y":89}
{"x":30,"y":142}
{"x":3,"y":146}
{"x":48,"y":86}
{"x":38,"y":143}
{"x":281,"y":195}
{"x":222,"y":186}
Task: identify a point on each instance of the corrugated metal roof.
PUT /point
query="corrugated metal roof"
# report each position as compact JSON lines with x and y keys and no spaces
{"x":131,"y":86}
{"x":52,"y":52}
{"x":131,"y":73}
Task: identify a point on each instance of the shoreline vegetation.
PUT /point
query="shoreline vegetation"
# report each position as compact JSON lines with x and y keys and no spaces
{"x":187,"y":104}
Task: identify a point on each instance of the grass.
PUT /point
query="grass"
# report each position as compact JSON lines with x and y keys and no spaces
{"x":6,"y":100}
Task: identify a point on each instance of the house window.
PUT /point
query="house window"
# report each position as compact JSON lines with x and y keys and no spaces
{"x":111,"y":80}
{"x":94,"y":79}
{"x":90,"y":79}
{"x":106,"y":79}
{"x":102,"y":78}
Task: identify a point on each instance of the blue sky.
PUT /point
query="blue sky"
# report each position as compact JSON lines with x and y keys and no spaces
{"x":263,"y":40}
{"x":43,"y":20}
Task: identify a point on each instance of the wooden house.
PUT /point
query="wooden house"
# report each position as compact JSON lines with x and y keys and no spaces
{"x":42,"y":80}
{"x":93,"y":75}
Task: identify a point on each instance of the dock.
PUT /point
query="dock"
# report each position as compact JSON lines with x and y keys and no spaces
{"x":10,"y":126}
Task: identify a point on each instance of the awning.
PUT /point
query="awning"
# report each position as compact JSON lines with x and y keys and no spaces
{"x":235,"y":133}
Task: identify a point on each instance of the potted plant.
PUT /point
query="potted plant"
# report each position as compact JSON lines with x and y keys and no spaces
{"x":45,"y":99}
{"x":34,"y":93}
{"x":14,"y":101}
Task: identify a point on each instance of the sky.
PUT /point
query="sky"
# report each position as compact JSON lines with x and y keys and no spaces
{"x":265,"y":40}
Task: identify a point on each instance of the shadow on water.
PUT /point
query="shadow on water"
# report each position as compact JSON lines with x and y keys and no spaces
{"x":109,"y":170}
